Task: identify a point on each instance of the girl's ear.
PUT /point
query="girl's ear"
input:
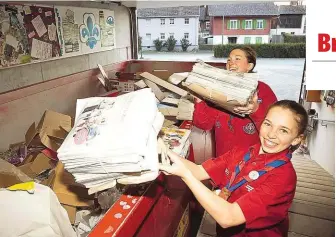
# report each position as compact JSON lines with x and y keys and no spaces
{"x":297,"y":140}
{"x":250,"y":66}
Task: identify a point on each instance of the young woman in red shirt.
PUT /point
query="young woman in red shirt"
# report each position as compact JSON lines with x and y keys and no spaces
{"x":231,"y":130}
{"x":257,"y":182}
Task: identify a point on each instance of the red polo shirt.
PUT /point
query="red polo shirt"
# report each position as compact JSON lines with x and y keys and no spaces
{"x":264,"y":201}
{"x":233,"y":130}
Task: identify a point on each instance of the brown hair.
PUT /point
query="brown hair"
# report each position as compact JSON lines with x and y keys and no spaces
{"x":250,"y":54}
{"x":301,"y":116}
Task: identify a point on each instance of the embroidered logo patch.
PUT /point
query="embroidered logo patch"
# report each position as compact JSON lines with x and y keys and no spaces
{"x":259,"y":100}
{"x":249,"y":128}
{"x":227,"y":171}
{"x":249,"y":188}
{"x":218,"y":124}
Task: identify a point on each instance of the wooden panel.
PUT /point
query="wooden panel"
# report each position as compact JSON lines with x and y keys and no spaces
{"x":313,"y":96}
{"x":311,"y":226}
{"x":308,"y":209}
{"x":315,"y":199}
{"x":316,"y":192}
{"x":315,"y":186}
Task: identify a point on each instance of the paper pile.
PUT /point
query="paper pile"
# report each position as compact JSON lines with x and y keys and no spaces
{"x":113,"y":139}
{"x":224,"y":88}
{"x":176,"y":140}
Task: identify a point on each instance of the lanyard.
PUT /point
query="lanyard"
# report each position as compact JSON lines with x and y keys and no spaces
{"x":268,"y":167}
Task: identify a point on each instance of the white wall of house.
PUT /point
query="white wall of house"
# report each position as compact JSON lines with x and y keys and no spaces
{"x":179,"y":28}
{"x":321,"y":141}
{"x":217,"y":39}
{"x":296,"y":31}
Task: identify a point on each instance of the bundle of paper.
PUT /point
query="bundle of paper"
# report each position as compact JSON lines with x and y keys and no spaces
{"x":113,"y":139}
{"x":176,"y":140}
{"x":224,"y":88}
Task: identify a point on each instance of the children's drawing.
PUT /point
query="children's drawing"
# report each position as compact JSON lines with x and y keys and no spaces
{"x":89,"y":122}
{"x":89,"y":30}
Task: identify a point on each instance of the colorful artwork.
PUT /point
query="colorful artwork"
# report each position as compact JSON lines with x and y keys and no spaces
{"x":40,"y":25}
{"x":90,"y":121}
{"x":31,"y":33}
{"x":107,"y":29}
{"x":14,"y":45}
{"x":89,"y":30}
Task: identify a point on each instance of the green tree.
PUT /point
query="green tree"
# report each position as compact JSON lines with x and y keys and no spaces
{"x":171,"y":42}
{"x":158,"y":44}
{"x":185,"y":44}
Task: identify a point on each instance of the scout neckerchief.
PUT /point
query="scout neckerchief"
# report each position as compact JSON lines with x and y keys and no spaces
{"x":253,"y":175}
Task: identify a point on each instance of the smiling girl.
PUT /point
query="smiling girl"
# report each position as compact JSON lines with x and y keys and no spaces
{"x":256,"y":183}
{"x":232,"y":130}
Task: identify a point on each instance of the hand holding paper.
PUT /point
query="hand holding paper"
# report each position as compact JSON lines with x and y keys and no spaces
{"x":250,"y":108}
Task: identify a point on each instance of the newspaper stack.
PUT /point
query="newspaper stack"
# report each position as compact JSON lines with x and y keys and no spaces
{"x":113,"y":139}
{"x":221,"y":86}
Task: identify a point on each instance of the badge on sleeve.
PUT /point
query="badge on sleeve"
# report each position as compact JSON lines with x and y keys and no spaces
{"x":249,"y":128}
{"x":253,"y":175}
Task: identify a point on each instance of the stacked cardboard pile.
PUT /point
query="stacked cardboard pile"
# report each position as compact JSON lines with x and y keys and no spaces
{"x":41,"y":163}
{"x":224,"y":88}
{"x":113,"y":139}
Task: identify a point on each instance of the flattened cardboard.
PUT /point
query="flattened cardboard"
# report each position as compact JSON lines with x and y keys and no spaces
{"x":163,"y":74}
{"x":10,"y":175}
{"x":71,"y":212}
{"x":51,"y":129}
{"x":67,"y":191}
{"x":172,"y":111}
{"x":214,"y":98}
{"x":156,"y":90}
{"x":40,"y":164}
{"x":176,"y":78}
{"x":164,"y":84}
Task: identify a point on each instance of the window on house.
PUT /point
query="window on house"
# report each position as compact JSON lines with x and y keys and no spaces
{"x":186,"y":35}
{"x":171,"y":21}
{"x":258,"y":40}
{"x":171,"y":34}
{"x":247,"y":40}
{"x":207,"y":25}
{"x":248,"y":24}
{"x":233,"y":24}
{"x":162,"y":36}
{"x":293,"y":33}
{"x":148,"y":21}
{"x":186,"y":21}
{"x":148,"y":36}
{"x":163,"y":21}
{"x":260,"y":24}
{"x":232,"y":40}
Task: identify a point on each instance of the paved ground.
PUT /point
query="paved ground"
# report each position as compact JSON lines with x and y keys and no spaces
{"x":282,"y":75}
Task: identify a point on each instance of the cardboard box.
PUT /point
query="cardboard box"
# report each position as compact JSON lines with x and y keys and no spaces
{"x":51,"y":130}
{"x":40,"y":164}
{"x":68,"y":191}
{"x":10,"y":175}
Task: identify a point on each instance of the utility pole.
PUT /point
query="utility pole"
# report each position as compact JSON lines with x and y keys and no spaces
{"x":223,"y":31}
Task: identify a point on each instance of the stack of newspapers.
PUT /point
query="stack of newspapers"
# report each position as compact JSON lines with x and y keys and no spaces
{"x":221,"y":86}
{"x":113,"y":139}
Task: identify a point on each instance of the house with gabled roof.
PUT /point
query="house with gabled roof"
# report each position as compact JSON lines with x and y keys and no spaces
{"x":204,"y":21}
{"x":291,"y":20}
{"x":180,"y":22}
{"x":242,"y":23}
